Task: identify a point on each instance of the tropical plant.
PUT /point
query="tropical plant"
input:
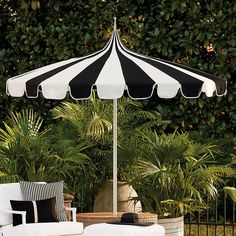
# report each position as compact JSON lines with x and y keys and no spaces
{"x":28,"y":153}
{"x":91,"y":121}
{"x":176,"y":174}
{"x":231,"y":192}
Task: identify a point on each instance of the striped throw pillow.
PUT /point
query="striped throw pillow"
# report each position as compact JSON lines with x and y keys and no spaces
{"x":37,"y":191}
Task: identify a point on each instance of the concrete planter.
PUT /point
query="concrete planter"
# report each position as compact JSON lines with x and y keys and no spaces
{"x":173,"y":226}
{"x":103,"y":201}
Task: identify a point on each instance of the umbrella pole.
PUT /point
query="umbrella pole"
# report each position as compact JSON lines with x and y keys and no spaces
{"x":114,"y":156}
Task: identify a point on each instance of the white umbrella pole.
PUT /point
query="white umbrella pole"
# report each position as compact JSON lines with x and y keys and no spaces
{"x":114,"y":149}
{"x":114,"y":156}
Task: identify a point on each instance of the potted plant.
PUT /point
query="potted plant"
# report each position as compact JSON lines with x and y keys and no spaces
{"x":31,"y":152}
{"x":91,"y":121}
{"x":231,"y":192}
{"x":174,"y":175}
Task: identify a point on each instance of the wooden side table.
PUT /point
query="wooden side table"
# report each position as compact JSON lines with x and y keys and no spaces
{"x":102,"y":217}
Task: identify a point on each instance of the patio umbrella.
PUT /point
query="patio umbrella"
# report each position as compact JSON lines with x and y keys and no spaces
{"x":112,"y":71}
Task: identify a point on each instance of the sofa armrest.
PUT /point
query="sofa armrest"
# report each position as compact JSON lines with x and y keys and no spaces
{"x":73,"y":210}
{"x":22,"y":213}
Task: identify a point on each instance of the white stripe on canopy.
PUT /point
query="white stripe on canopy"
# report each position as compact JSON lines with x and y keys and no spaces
{"x":110,"y":82}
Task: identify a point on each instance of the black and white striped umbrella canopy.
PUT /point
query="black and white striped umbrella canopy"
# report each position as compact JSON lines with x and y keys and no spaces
{"x":110,"y":72}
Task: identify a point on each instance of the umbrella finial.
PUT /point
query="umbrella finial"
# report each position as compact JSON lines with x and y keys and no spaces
{"x":114,"y":23}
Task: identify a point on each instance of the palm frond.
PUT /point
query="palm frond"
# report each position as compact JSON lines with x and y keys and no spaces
{"x":175,"y":173}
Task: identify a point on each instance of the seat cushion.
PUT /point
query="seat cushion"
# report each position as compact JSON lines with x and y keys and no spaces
{"x":10,"y":230}
{"x":34,"y":191}
{"x":44,"y":229}
{"x":62,"y":228}
{"x":104,"y":229}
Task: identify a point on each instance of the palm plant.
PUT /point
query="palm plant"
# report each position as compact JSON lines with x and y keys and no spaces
{"x":89,"y":117}
{"x":27,"y":152}
{"x":176,"y":174}
{"x":231,"y":192}
{"x":91,"y":121}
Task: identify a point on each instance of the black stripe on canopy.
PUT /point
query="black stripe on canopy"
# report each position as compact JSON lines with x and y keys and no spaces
{"x":32,"y":85}
{"x":139,"y":84}
{"x":220,"y":83}
{"x":81,"y":85}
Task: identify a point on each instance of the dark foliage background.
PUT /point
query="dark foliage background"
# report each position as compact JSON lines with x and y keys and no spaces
{"x":200,"y":34}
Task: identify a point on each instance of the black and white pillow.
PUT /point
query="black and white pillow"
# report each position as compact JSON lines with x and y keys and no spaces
{"x":36,"y":191}
{"x":36,"y":211}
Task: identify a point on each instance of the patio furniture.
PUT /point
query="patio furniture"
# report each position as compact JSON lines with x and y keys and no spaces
{"x":11,"y":195}
{"x":104,"y":229}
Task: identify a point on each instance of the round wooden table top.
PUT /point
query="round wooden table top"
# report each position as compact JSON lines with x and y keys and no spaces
{"x":97,"y":215}
{"x":89,"y":218}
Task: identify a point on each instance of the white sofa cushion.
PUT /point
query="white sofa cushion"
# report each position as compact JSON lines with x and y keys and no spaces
{"x":11,"y":191}
{"x":44,"y":229}
{"x":104,"y":229}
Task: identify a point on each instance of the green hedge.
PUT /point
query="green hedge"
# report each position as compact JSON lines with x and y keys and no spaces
{"x":200,"y":34}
